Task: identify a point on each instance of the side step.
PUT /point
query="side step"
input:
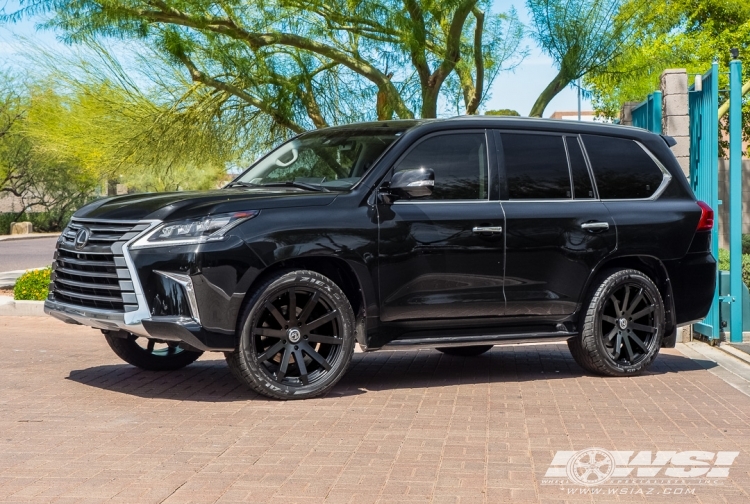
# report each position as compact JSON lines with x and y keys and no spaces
{"x":490,"y":339}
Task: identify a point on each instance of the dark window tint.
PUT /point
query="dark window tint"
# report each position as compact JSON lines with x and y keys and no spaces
{"x":622,"y":169}
{"x":536,"y":166}
{"x":582,"y":186}
{"x":459,"y":162}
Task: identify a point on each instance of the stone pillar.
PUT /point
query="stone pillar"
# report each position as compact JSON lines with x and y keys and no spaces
{"x":675,"y":118}
{"x":626,"y":113}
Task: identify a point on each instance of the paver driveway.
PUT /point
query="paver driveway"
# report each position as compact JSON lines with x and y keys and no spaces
{"x":77,"y":425}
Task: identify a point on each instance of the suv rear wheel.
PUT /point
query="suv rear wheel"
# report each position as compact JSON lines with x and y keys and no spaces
{"x":465,"y":351}
{"x":296,"y":336}
{"x":154,"y":356}
{"x":622,"y":327}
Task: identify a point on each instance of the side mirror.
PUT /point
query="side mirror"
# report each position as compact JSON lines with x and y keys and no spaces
{"x":412,"y":183}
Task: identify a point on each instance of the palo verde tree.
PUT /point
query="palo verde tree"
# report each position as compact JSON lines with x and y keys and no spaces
{"x":310,"y":64}
{"x":580,"y":36}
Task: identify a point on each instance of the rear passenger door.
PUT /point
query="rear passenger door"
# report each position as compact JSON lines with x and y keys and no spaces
{"x":556,"y":228}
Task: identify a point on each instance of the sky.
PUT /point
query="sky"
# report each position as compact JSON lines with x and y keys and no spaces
{"x":515,"y":90}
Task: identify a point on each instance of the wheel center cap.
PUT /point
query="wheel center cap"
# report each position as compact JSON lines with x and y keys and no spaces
{"x":294,"y":335}
{"x":623,"y":323}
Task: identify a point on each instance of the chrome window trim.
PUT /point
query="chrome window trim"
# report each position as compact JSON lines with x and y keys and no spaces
{"x":444,"y":202}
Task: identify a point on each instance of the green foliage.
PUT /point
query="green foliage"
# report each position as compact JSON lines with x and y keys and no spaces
{"x":502,"y":112}
{"x":672,"y":34}
{"x":33,"y":285}
{"x":293,"y":65}
{"x":724,"y":264}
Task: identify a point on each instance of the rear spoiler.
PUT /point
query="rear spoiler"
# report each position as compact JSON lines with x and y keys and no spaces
{"x":671,"y":142}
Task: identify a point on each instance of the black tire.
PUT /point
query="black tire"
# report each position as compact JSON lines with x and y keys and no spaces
{"x":275,"y":336}
{"x":155,"y":356}
{"x":622,"y":327}
{"x":465,"y":351}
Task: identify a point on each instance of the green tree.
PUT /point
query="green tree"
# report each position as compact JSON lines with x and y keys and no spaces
{"x":675,"y":34}
{"x":309,"y":64}
{"x":502,"y":112}
{"x":580,"y":36}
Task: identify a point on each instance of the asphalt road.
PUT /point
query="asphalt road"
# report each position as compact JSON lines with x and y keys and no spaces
{"x":26,"y":254}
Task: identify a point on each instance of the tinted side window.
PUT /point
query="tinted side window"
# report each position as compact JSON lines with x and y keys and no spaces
{"x":582,"y":186}
{"x":622,"y":169}
{"x":536,"y":166}
{"x":459,"y":162}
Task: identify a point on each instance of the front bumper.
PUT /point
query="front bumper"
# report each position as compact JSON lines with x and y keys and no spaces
{"x":180,"y":329}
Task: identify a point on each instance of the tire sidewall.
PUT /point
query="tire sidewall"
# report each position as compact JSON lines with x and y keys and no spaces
{"x":334,"y":296}
{"x":610,"y":284}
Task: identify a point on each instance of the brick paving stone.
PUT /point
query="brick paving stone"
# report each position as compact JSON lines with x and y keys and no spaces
{"x":78,"y":425}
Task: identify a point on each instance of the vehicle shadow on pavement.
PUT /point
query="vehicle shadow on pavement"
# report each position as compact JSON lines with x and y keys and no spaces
{"x":210,"y":380}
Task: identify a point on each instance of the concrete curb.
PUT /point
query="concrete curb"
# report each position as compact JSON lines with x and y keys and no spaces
{"x":28,"y":236}
{"x":11,"y":307}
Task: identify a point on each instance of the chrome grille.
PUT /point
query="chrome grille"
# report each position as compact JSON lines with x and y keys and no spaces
{"x":95,"y":275}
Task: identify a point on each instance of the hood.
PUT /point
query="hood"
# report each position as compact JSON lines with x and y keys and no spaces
{"x":187,"y":204}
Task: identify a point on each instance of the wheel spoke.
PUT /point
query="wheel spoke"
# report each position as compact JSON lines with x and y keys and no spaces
{"x":642,"y":313}
{"x":609,"y":319}
{"x":642,"y":327}
{"x":150,"y":346}
{"x":267,"y":331}
{"x":322,"y":320}
{"x":618,"y":346}
{"x":612,"y":333}
{"x":634,"y":305}
{"x":330,"y":340}
{"x":625,"y":299}
{"x":305,"y":313}
{"x":281,"y":373}
{"x":638,"y":341}
{"x":276,"y":314}
{"x":631,"y":355}
{"x":292,"y":307}
{"x":271,"y":352}
{"x":618,"y":311}
{"x":300,"y":360}
{"x":315,"y":355}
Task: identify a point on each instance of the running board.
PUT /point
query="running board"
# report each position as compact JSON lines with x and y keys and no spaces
{"x":492,"y":339}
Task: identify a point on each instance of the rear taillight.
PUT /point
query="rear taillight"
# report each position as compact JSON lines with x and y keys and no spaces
{"x":707,"y":217}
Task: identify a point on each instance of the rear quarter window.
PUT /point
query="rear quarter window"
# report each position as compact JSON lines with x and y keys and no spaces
{"x":622,"y":169}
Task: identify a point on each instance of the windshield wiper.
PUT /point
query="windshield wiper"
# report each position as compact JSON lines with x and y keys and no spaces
{"x":241,"y":184}
{"x":300,"y":185}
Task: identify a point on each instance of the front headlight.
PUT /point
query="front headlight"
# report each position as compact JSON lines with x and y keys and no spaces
{"x":193,"y":231}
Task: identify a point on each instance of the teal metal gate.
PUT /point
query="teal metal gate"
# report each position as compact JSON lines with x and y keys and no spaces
{"x":703,"y":107}
{"x":647,"y":115}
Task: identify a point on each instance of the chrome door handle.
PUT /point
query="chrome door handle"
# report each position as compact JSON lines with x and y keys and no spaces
{"x":595,"y":225}
{"x":487,"y":229}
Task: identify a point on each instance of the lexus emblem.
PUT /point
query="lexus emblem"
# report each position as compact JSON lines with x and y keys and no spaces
{"x":82,"y":238}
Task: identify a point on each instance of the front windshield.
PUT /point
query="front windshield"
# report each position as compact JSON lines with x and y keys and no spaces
{"x":330,"y":159}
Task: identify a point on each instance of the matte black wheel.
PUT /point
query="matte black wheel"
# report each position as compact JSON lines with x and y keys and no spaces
{"x":466,"y":351}
{"x":623,"y":326}
{"x":150,"y":354}
{"x":297,"y":337}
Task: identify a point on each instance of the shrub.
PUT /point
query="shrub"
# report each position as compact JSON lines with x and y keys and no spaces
{"x":724,"y":264}
{"x":33,"y":285}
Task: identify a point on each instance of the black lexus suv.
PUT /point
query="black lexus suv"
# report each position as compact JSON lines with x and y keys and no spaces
{"x":457,"y":234}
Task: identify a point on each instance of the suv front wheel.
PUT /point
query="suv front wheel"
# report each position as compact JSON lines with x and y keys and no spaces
{"x":622,"y":327}
{"x":296,"y":336}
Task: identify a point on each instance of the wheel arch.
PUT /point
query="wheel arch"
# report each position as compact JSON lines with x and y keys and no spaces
{"x":657,"y":272}
{"x":337,"y":269}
